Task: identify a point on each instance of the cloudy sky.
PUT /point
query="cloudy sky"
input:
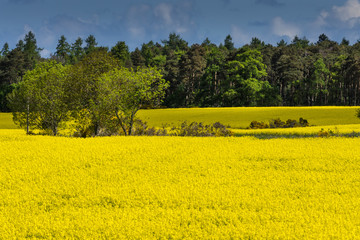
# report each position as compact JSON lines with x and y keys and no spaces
{"x":139,"y":21}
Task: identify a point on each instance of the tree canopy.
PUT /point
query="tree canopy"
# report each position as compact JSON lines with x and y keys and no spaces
{"x":298,"y":73}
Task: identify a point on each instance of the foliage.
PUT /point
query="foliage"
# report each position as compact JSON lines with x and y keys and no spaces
{"x":301,"y":73}
{"x":122,"y":92}
{"x":277,"y":123}
{"x":82,"y":86}
{"x":39,"y":100}
{"x":142,"y":129}
{"x":258,"y":125}
{"x":328,"y":133}
{"x":121,"y":52}
{"x":196,"y":129}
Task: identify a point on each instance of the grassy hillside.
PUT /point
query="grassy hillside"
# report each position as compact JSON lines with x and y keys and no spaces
{"x":241,"y":117}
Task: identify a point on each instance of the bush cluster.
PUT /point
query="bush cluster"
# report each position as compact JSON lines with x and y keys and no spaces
{"x":278,"y":123}
{"x":201,"y":130}
{"x":142,"y":129}
{"x":328,"y":133}
{"x":195,"y":129}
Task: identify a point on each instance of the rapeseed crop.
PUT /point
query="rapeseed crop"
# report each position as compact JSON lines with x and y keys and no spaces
{"x":178,"y":187}
{"x":300,"y":131}
{"x":6,"y":121}
{"x":236,"y":117}
{"x":241,"y":117}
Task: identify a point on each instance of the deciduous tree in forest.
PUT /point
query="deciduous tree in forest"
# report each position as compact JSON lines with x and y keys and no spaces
{"x":122,"y":92}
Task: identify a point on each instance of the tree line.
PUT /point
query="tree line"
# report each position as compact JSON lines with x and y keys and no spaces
{"x":299,"y":73}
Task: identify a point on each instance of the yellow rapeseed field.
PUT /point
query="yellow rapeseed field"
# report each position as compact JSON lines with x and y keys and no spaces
{"x":313,"y":130}
{"x":173,"y":187}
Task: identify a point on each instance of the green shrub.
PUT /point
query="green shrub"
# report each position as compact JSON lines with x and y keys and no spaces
{"x":141,"y":129}
{"x":328,"y":133}
{"x":201,"y":130}
{"x":258,"y":125}
{"x":277,"y":123}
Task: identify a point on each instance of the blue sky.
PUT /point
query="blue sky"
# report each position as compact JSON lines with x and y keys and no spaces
{"x":139,"y":21}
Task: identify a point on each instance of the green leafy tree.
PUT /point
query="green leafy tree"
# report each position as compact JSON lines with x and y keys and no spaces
{"x":338,"y":91}
{"x":123,"y":92}
{"x":320,"y":79}
{"x":245,"y":79}
{"x":38,"y":102}
{"x":83,"y":89}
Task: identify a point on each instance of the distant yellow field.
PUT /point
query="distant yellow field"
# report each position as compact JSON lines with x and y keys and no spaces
{"x":339,"y":129}
{"x":241,"y":117}
{"x":178,"y":187}
{"x":237,"y":117}
{"x":6,"y":121}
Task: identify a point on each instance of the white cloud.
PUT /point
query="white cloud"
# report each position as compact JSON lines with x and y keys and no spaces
{"x":154,"y":19}
{"x":47,"y":37}
{"x":321,"y":20}
{"x":350,"y":12}
{"x":238,"y":36}
{"x":281,"y":28}
{"x":163,"y":11}
{"x":181,"y":30}
{"x":137,"y":31}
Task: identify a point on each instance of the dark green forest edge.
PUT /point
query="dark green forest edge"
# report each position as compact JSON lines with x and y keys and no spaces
{"x":206,"y":75}
{"x":174,"y":74}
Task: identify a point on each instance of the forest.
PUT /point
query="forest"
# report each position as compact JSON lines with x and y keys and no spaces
{"x":299,"y":73}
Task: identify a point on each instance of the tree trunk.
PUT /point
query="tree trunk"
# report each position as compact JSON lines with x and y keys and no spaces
{"x":27,"y":118}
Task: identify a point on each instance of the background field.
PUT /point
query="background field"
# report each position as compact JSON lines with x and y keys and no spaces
{"x":6,"y":121}
{"x":236,"y":117}
{"x":173,"y":187}
{"x":241,"y":117}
